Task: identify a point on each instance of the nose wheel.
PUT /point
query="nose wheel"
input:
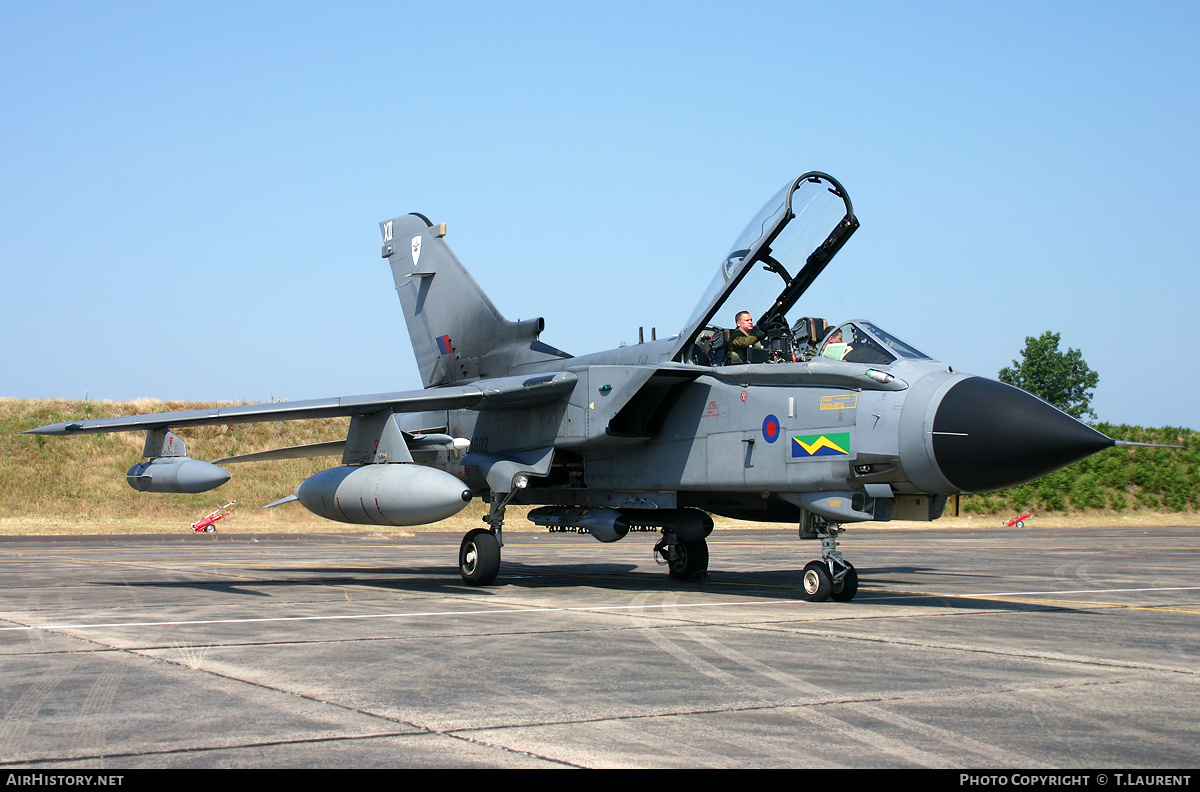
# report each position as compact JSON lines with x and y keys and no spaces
{"x":845,"y":589}
{"x":833,"y":577}
{"x":816,"y":581}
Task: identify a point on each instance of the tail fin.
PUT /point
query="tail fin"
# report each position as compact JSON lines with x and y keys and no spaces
{"x":457,"y":334}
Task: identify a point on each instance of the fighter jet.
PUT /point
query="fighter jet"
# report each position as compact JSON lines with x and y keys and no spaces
{"x":776,"y":419}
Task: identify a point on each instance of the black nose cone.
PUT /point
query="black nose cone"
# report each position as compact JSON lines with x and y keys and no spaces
{"x":988,"y":436}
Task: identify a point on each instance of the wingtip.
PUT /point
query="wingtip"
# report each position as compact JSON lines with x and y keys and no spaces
{"x":49,"y":429}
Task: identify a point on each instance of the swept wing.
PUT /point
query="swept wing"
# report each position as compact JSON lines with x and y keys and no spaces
{"x":499,"y":393}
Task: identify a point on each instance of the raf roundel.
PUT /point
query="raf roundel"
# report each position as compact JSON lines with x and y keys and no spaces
{"x":770,"y":428}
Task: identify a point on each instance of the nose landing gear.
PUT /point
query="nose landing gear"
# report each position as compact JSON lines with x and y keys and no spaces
{"x":833,"y":577}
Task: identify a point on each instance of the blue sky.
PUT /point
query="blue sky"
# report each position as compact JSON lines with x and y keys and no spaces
{"x":191,"y":194}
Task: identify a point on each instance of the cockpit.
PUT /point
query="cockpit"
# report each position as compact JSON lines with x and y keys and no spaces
{"x":774,"y":260}
{"x":863,"y":342}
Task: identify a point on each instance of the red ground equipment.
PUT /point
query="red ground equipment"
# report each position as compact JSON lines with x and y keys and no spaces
{"x":1019,"y":520}
{"x":209,"y":523}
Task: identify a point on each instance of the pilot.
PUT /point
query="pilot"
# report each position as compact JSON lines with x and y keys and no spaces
{"x":834,"y":347}
{"x":742,"y":338}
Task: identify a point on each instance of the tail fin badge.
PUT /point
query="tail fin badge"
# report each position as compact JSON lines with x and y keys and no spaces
{"x":416,"y":249}
{"x":387,"y":231}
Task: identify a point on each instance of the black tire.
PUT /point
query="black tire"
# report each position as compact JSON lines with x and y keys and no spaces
{"x":687,"y":560}
{"x":479,"y":558}
{"x":816,"y":582}
{"x":845,"y":590}
{"x":1020,"y":524}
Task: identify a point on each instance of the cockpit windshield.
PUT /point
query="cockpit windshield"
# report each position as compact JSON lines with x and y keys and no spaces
{"x":863,"y":342}
{"x":895,"y":344}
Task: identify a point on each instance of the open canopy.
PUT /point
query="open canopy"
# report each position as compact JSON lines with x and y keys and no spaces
{"x":781,"y":252}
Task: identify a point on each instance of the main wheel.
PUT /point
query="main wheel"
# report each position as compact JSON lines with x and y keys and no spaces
{"x":479,"y":558}
{"x":687,"y":560}
{"x":845,"y":589}
{"x":816,"y":581}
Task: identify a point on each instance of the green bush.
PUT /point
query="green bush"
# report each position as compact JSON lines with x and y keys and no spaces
{"x":1118,"y":478}
{"x":1086,"y":492}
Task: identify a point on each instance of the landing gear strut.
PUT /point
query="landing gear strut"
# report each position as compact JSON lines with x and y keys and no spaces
{"x":833,"y":577}
{"x":479,"y":554}
{"x":685,"y":560}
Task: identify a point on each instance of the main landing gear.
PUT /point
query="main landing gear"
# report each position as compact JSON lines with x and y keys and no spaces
{"x":685,"y":560}
{"x":479,"y":557}
{"x":682,"y":548}
{"x":833,"y":577}
{"x":479,"y":553}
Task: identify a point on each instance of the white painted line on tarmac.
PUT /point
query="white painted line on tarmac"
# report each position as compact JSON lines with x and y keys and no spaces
{"x":1080,"y":591}
{"x":425,"y":614}
{"x":592,"y":608}
{"x":881,"y":595}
